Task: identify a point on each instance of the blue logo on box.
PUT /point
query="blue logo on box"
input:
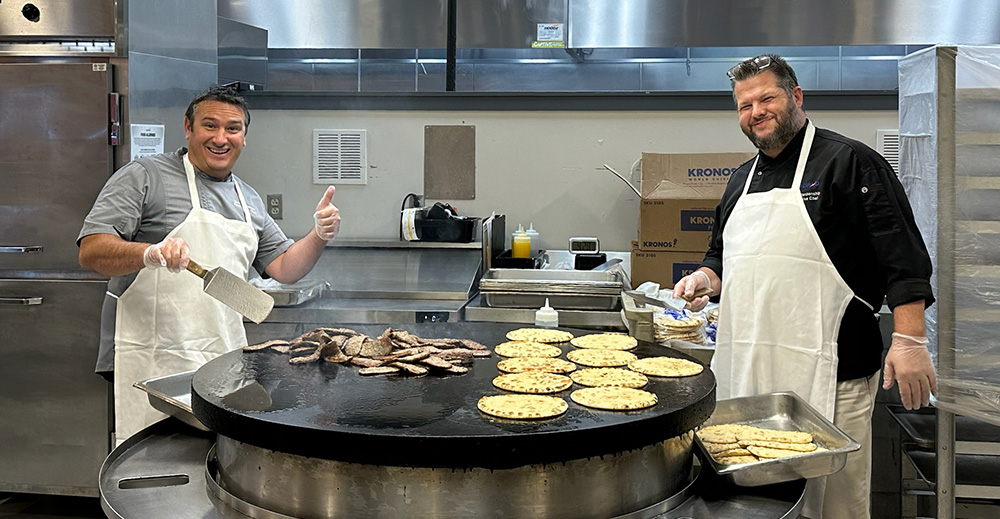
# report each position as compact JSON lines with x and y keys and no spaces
{"x":697,"y":220}
{"x":683,"y":269}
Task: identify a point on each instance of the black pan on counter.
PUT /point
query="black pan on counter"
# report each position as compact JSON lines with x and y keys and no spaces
{"x":329,"y":411}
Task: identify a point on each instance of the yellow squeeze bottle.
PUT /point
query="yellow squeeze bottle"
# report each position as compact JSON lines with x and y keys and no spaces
{"x":520,"y":246}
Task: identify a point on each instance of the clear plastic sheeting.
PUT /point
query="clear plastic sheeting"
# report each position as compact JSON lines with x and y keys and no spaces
{"x":949,"y":110}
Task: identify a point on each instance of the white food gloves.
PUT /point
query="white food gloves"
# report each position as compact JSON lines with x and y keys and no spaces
{"x":171,"y":253}
{"x":691,"y":283}
{"x":909,"y":363}
{"x":327,"y":216}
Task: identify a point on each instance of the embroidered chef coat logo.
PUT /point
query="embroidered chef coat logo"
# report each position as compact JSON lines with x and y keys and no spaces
{"x":807,"y":195}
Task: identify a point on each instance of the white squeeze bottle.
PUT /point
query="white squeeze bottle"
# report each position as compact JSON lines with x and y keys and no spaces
{"x":533,"y":236}
{"x":546,"y":316}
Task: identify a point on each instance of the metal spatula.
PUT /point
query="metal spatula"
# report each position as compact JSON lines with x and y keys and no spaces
{"x":234,"y":292}
{"x":677,"y":303}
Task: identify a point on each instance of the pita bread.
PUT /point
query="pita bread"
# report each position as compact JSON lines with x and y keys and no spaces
{"x":526,"y":349}
{"x":800,"y":447}
{"x":543,"y":335}
{"x":533,"y":382}
{"x":601,"y":358}
{"x":766,"y":453}
{"x":715,"y":448}
{"x":666,"y":367}
{"x":598,"y":377}
{"x":773,"y":435}
{"x":546,"y":364}
{"x":613,"y":398}
{"x":522,"y":407}
{"x":605,"y":341}
{"x":737,"y":460}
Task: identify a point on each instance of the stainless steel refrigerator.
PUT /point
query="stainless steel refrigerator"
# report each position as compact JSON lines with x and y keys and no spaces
{"x":54,"y":158}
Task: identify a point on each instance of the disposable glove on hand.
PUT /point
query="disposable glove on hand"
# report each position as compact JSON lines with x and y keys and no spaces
{"x":327,"y":216}
{"x":688,"y":285}
{"x":171,"y":253}
{"x":909,"y":363}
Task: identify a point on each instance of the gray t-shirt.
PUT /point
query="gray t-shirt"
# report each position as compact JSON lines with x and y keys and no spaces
{"x":146,"y":199}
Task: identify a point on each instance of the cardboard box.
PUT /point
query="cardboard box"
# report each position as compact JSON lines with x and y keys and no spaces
{"x":679,"y":194}
{"x":663,"y":267}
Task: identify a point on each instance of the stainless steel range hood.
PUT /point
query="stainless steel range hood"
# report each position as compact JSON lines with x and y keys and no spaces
{"x":484,"y":24}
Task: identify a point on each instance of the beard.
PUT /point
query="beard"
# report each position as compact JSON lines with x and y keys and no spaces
{"x":786,"y":129}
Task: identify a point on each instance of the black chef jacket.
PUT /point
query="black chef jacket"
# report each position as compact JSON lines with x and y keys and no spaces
{"x":864,"y":220}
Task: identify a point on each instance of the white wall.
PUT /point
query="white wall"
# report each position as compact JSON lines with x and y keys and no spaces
{"x":540,"y":167}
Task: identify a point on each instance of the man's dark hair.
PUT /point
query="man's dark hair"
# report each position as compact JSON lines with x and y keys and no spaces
{"x":225,"y":94}
{"x":754,"y":66}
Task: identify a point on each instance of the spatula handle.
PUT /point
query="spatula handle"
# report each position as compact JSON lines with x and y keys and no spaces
{"x":196,"y":269}
{"x":698,"y":293}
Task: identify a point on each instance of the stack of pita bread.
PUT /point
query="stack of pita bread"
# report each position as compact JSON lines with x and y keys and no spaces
{"x":681,"y":325}
{"x":734,"y":444}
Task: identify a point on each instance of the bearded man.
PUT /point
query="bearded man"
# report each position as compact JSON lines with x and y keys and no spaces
{"x":809,"y":239}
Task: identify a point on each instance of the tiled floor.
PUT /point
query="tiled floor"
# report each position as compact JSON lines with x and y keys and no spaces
{"x":35,"y":506}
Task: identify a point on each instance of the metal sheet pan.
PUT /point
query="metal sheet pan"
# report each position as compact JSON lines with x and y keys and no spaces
{"x":171,"y":394}
{"x":296,"y":293}
{"x":559,"y":301}
{"x":785,"y":411}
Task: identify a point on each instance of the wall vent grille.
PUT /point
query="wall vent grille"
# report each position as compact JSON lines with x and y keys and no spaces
{"x":887,"y":144}
{"x":340,"y":157}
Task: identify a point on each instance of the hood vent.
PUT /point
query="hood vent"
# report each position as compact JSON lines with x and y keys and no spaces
{"x":340,"y":157}
{"x":887,"y":144}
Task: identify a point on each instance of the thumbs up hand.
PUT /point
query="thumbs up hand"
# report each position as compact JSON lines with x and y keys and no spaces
{"x":327,"y":216}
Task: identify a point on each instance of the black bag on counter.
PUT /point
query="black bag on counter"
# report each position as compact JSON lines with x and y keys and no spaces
{"x":442,"y":223}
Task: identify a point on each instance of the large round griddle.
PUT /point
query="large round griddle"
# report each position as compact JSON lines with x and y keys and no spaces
{"x":329,"y":411}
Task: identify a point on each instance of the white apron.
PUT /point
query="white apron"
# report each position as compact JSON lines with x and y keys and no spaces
{"x":165,"y":322}
{"x":781,"y":304}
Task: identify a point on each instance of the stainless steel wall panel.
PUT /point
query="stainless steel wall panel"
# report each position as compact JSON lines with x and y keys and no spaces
{"x":161,"y":88}
{"x":431,"y":77}
{"x":54,"y":411}
{"x":350,"y":24}
{"x":57,"y":20}
{"x":719,"y":23}
{"x":242,"y":53}
{"x":388,"y":77}
{"x":183,"y":29}
{"x":511,"y":23}
{"x":548,"y":77}
{"x":868,"y":74}
{"x":290,"y":75}
{"x":55,"y":158}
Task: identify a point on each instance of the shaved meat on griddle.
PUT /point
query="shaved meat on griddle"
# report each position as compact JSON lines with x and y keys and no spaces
{"x":435,"y":362}
{"x":338,"y":358}
{"x":404,"y":337}
{"x":394,"y":351}
{"x":305,"y":359}
{"x":472,"y":345}
{"x":352,"y":346}
{"x":442,"y":343}
{"x":456,"y":355}
{"x":412,"y":369}
{"x":311,"y":335}
{"x":378,"y":370}
{"x":376,"y":347}
{"x":366,"y":362}
{"x":265,"y":345}
{"x":330,"y":349}
{"x":338,"y":331}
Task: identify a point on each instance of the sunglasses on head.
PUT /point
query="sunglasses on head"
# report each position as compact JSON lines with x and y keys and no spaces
{"x":752,"y":65}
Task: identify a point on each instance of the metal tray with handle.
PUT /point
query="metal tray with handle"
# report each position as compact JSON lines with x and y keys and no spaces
{"x":785,"y":411}
{"x":171,"y":394}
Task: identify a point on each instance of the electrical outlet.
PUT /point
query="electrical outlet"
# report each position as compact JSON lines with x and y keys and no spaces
{"x":274,"y":206}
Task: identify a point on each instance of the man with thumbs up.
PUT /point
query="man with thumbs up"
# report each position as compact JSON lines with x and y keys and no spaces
{"x":153,"y":216}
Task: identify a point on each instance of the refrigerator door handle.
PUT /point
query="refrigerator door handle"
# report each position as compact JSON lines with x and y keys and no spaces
{"x":21,"y":249}
{"x":20,"y":300}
